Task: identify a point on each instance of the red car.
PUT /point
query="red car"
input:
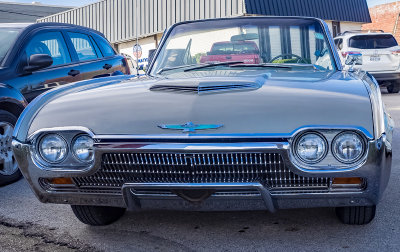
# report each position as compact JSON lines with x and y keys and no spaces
{"x":246,"y":51}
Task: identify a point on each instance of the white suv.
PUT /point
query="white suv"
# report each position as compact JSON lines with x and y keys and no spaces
{"x":380,"y":55}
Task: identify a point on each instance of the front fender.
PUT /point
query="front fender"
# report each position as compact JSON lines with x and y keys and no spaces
{"x":11,"y":99}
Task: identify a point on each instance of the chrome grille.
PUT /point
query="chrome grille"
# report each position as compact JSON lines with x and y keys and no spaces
{"x":265,"y":168}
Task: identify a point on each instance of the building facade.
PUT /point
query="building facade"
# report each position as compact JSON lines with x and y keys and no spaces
{"x":385,"y":17}
{"x":123,"y":20}
{"x":26,"y":13}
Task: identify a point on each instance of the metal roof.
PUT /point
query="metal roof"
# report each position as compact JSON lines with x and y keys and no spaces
{"x":117,"y":18}
{"x":337,"y":10}
{"x":26,"y":13}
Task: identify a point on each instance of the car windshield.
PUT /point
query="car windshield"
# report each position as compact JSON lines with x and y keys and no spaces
{"x":372,"y":41}
{"x":264,"y":42}
{"x":7,"y":38}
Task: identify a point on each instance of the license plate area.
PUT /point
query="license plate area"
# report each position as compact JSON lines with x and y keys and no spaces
{"x":375,"y":58}
{"x":133,"y":193}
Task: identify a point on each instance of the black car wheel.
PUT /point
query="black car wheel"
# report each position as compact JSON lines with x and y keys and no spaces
{"x":394,"y":87}
{"x":97,"y":215}
{"x":357,"y":215}
{"x":9,"y":171}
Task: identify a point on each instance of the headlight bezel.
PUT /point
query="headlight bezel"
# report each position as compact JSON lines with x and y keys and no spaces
{"x":70,"y":164}
{"x":296,"y":145}
{"x":39,"y":149}
{"x":355,"y":160}
{"x":329,"y":163}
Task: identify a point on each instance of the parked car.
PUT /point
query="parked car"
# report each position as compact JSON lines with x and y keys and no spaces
{"x":217,"y":136}
{"x":245,"y":51}
{"x":380,"y":55}
{"x":35,"y":58}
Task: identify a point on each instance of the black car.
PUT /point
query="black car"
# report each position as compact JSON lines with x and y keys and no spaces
{"x":37,"y":57}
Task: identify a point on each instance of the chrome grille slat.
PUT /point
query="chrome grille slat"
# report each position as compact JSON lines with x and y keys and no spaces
{"x":265,"y":168}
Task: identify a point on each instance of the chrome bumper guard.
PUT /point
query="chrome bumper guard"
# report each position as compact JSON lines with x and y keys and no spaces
{"x":133,"y":192}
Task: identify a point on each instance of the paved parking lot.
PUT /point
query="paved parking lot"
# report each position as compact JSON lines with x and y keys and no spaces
{"x":25,"y":223}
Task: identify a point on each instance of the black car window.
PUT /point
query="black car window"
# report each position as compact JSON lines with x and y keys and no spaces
{"x":83,"y":46}
{"x":339,"y":43}
{"x":7,"y":38}
{"x":372,"y":41}
{"x":105,"y":47}
{"x":50,"y":43}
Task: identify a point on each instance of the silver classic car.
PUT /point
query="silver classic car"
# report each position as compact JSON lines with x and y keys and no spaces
{"x":249,"y":113}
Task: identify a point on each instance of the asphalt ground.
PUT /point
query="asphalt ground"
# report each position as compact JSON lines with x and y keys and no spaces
{"x":28,"y":225}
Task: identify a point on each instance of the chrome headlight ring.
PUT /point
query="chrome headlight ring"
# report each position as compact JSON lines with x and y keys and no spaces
{"x":310,"y":147}
{"x":52,"y":148}
{"x":348,"y":147}
{"x":82,"y":148}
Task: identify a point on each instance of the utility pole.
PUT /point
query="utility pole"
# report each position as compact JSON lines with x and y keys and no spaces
{"x":137,"y":38}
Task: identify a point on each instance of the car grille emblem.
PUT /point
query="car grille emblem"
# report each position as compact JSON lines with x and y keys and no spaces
{"x":190,"y":127}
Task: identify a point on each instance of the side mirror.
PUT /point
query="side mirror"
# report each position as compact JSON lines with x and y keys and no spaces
{"x":353,"y":58}
{"x":38,"y":61}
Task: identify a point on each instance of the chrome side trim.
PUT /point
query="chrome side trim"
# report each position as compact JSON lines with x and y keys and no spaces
{"x":376,"y":103}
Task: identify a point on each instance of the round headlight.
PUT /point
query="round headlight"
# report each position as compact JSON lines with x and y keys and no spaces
{"x":53,"y":148}
{"x":348,"y":147}
{"x":83,"y":148}
{"x":311,"y":148}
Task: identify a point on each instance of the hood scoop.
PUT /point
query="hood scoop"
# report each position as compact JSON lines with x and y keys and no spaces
{"x":206,"y":88}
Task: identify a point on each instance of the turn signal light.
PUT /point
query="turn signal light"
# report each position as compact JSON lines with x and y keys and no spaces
{"x":347,"y":181}
{"x":61,"y":181}
{"x":347,"y":184}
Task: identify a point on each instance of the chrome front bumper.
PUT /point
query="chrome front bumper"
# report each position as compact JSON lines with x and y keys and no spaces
{"x":225,"y":196}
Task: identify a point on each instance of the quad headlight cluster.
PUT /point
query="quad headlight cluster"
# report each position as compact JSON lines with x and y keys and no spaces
{"x":54,"y":149}
{"x":312,"y":147}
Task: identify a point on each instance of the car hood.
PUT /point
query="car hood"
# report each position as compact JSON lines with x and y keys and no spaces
{"x":263,"y":102}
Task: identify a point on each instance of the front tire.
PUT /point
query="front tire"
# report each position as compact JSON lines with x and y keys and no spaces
{"x":357,"y":215}
{"x":9,"y":171}
{"x":394,"y":87}
{"x":97,"y":215}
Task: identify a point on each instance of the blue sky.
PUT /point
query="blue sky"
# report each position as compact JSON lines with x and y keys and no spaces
{"x":84,"y":2}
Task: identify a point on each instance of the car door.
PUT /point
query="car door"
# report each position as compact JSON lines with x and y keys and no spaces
{"x":90,"y":59}
{"x":62,"y":71}
{"x":113,"y":62}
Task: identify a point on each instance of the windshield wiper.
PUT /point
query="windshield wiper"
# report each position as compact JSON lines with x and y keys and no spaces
{"x":274,"y":65}
{"x":227,"y":63}
{"x":175,"y":67}
{"x":263,"y":65}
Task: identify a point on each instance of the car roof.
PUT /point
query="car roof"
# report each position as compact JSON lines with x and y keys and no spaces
{"x":367,"y":33}
{"x":59,"y":25}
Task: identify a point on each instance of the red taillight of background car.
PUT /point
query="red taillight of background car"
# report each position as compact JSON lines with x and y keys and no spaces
{"x":396,"y":52}
{"x":344,"y":54}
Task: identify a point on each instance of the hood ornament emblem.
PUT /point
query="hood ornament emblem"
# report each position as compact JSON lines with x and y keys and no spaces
{"x":190,"y":127}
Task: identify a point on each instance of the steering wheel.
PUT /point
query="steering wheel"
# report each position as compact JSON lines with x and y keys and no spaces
{"x":299,"y":59}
